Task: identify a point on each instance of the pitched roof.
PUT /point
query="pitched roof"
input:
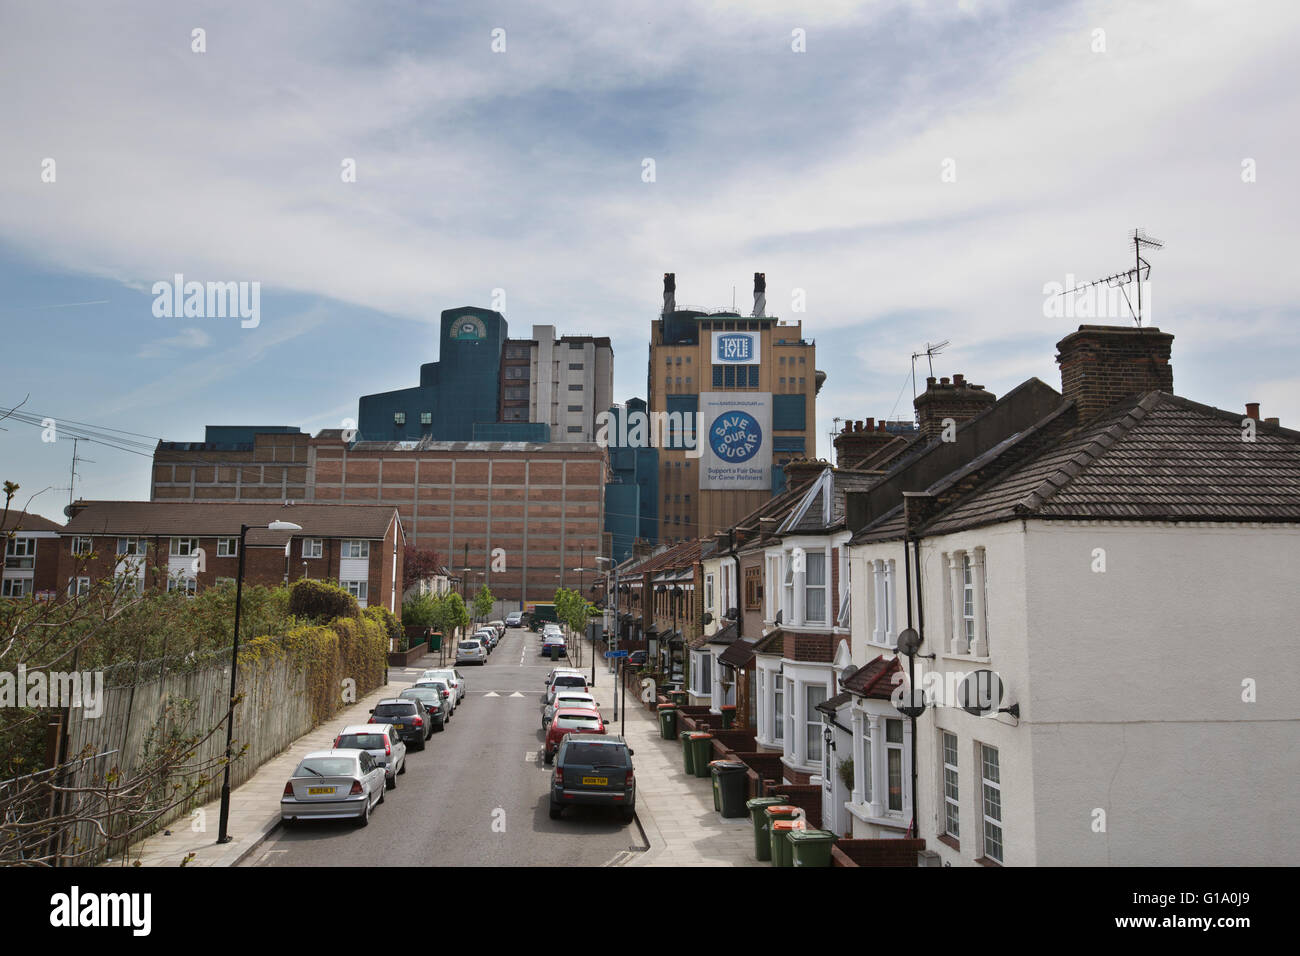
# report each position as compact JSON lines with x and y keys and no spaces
{"x":771,"y":643}
{"x":875,"y":680}
{"x":835,"y":703}
{"x":24,"y":521}
{"x":147,"y":518}
{"x":724,"y":635}
{"x":1156,"y":457}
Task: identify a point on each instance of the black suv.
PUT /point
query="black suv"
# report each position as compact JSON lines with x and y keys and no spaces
{"x":593,"y":770}
{"x":410,"y":718}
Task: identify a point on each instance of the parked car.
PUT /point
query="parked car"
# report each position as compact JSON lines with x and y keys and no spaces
{"x":564,"y":679}
{"x":453,"y":677}
{"x":435,"y":698}
{"x":446,"y":694}
{"x":515,"y":619}
{"x":570,"y":720}
{"x":500,"y":626}
{"x":636,"y":658}
{"x":552,"y":640}
{"x":489,"y":637}
{"x":381,"y":741}
{"x":408,"y":717}
{"x":470,"y":651}
{"x":565,"y":697}
{"x":596,"y":771}
{"x":333,"y":785}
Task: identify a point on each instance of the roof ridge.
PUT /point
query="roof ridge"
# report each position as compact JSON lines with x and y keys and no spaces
{"x":1106,"y":439}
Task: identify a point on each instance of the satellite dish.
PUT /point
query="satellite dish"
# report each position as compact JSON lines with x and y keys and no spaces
{"x":980,"y":693}
{"x":912,"y":703}
{"x":909,"y":642}
{"x":67,"y":511}
{"x":779,"y":615}
{"x":733,"y":613}
{"x":708,"y":617}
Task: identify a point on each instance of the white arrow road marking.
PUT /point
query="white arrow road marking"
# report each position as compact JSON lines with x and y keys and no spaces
{"x":530,"y":756}
{"x":516,"y":694}
{"x":491,"y":693}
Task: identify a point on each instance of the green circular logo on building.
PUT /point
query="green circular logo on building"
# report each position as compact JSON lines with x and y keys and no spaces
{"x":469,"y":327}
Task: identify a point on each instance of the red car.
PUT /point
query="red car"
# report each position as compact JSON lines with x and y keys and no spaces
{"x":570,"y":720}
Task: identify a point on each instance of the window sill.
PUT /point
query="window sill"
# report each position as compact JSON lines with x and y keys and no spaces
{"x":950,"y":842}
{"x":863,"y":813}
{"x":967,"y":658}
{"x":985,"y":861}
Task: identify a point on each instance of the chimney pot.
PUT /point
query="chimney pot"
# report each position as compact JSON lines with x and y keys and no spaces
{"x":944,"y":380}
{"x":870,"y":424}
{"x":1104,"y":365}
{"x":1252,"y":410}
{"x":959,"y":379}
{"x":929,"y":381}
{"x":1272,"y":421}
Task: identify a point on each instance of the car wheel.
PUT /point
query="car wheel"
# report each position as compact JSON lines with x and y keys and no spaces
{"x":381,"y":796}
{"x":364,"y":819}
{"x":557,"y":811}
{"x":287,"y":822}
{"x":548,"y":759}
{"x":421,"y":747}
{"x":403,"y":770}
{"x":391,"y":782}
{"x":439,"y":728}
{"x":629,"y":814}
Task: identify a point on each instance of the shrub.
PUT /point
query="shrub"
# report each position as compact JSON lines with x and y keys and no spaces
{"x":420,"y":611}
{"x":320,"y":601}
{"x":387,"y":620}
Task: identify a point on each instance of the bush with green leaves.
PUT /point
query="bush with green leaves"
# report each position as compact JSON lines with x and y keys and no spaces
{"x":313,"y":600}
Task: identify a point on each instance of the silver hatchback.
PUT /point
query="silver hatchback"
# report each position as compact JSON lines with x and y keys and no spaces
{"x":333,"y":785}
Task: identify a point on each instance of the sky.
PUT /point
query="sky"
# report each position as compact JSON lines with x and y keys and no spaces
{"x":909,"y":172}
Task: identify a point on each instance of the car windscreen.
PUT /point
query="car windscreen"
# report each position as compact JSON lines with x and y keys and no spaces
{"x":361,"y":742}
{"x":470,"y":645}
{"x":327,"y":767}
{"x":592,"y":755}
{"x":436,"y":675}
{"x":577,"y":721}
{"x":428,"y":685}
{"x":394,"y":710}
{"x":570,"y":680}
{"x":423,"y":694}
{"x":564,"y":700}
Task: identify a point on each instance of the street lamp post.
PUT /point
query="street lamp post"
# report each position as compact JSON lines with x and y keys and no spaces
{"x":223,"y":834}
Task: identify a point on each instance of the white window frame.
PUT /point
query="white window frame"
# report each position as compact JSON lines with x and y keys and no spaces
{"x":16,"y":587}
{"x":358,"y":589}
{"x":316,"y":549}
{"x":966,"y":623}
{"x":360,"y":545}
{"x":810,"y":557}
{"x":778,"y":706}
{"x":708,"y":597}
{"x":950,"y":783}
{"x":78,"y":586}
{"x":20,"y":553}
{"x":701,"y":675}
{"x":228,"y":547}
{"x":82,"y":545}
{"x":132,"y":547}
{"x":900,"y":746}
{"x":812,"y":721}
{"x":183,"y":582}
{"x":182,"y":547}
{"x":991,"y":822}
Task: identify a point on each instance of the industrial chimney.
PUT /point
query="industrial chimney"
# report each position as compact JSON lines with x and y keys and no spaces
{"x":760,"y":295}
{"x":670,"y":293}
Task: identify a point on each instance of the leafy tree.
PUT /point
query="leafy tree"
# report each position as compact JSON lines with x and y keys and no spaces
{"x":452,"y":614}
{"x":483,"y":602}
{"x":419,"y":564}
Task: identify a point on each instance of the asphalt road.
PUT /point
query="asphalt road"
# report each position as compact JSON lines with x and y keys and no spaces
{"x":477,"y":794}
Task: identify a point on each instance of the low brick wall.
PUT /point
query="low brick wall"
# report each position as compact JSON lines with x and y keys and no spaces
{"x":876,"y":852}
{"x":408,"y":657}
{"x":763,"y":765}
{"x":735,"y":739}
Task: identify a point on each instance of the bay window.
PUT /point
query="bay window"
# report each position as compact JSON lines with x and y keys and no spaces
{"x":815,"y":587}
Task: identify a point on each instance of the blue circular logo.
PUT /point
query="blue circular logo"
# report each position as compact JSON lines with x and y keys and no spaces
{"x":735,"y":436}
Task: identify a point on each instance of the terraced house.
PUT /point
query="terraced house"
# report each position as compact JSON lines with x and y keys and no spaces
{"x":1117,"y":567}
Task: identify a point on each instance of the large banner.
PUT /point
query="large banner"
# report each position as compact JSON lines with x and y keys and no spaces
{"x":737,"y":441}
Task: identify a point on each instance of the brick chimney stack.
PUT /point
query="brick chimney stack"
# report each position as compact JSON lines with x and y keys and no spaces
{"x":958,"y":400}
{"x":800,"y":470}
{"x":859,"y":440}
{"x":1102,"y":365}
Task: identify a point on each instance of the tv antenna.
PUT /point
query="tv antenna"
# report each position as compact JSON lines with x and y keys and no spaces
{"x":930,"y":352}
{"x":72,"y":481}
{"x":1141,"y":270}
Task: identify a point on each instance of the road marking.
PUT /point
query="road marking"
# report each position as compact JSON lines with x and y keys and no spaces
{"x":530,"y":756}
{"x":491,"y":693}
{"x":268,"y":853}
{"x":516,"y":694}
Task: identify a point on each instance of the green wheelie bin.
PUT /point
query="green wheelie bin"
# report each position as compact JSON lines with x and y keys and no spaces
{"x":701,"y":747}
{"x":811,"y":847}
{"x":728,"y":716}
{"x":688,"y":754}
{"x":762,"y":831}
{"x":667,"y":721}
{"x":679,"y":697}
{"x":781,"y":813}
{"x":781,"y":831}
{"x":729,"y":787}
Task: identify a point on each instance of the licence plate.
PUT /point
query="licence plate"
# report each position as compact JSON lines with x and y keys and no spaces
{"x":400,"y":726}
{"x":319,"y":791}
{"x":595,"y":781}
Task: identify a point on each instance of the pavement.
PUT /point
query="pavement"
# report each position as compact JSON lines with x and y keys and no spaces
{"x":675,"y":811}
{"x":255,"y":804}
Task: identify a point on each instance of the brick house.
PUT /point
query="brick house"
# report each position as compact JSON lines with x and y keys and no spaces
{"x":193,"y":545}
{"x":31,"y":565}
